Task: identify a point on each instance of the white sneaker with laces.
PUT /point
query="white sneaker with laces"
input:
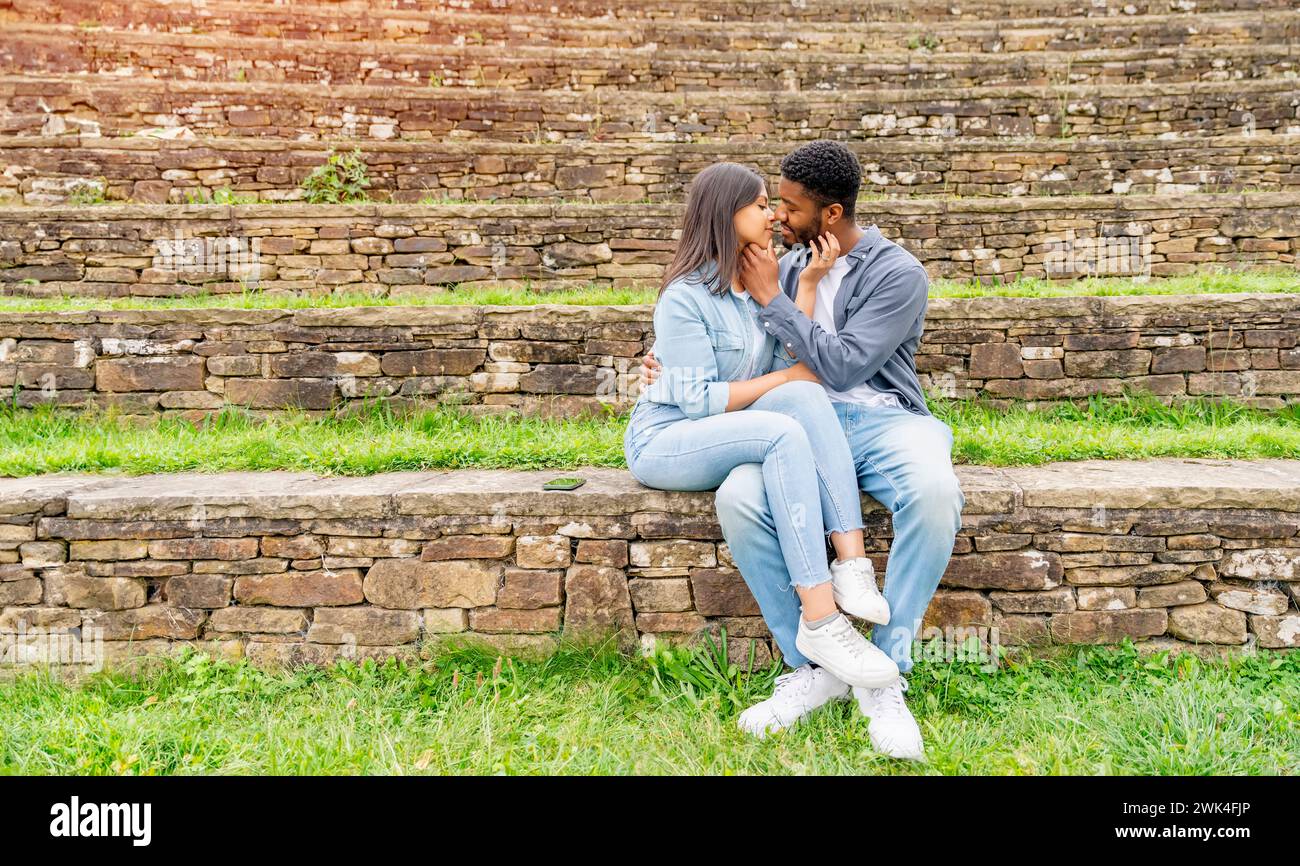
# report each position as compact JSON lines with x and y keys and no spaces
{"x":845,"y":652}
{"x":854,"y":585}
{"x":796,"y":695}
{"x":893,"y":730}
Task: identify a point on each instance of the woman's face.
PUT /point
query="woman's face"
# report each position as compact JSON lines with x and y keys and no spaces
{"x":754,"y":221}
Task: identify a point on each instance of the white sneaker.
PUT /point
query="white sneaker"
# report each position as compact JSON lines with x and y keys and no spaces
{"x":854,"y":586}
{"x":796,"y":695}
{"x":845,"y":652}
{"x":893,"y":730}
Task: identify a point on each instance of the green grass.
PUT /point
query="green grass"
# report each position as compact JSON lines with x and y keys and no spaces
{"x":1216,"y":281}
{"x":374,"y":439}
{"x":586,"y":296}
{"x":1204,"y":282}
{"x":1085,"y":711}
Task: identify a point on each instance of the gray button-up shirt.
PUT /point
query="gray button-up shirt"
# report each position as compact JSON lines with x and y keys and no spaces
{"x":879,"y":316}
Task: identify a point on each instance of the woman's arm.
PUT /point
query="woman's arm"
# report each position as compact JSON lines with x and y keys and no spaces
{"x":741,"y":394}
{"x":689,"y":372}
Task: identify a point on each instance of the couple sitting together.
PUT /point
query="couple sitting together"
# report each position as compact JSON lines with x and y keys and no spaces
{"x":787,"y":385}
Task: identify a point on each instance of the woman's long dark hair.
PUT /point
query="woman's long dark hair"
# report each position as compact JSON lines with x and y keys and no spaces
{"x":709,"y":230}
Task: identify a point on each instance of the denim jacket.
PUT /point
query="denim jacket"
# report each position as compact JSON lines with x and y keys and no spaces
{"x":704,"y":341}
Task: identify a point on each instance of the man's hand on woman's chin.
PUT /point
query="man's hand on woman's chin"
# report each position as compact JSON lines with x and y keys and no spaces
{"x":759,"y":272}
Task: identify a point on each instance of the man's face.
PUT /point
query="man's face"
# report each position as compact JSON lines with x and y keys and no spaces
{"x":799,"y":216}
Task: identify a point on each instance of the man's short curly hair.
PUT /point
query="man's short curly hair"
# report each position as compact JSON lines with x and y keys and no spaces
{"x":828,"y":171}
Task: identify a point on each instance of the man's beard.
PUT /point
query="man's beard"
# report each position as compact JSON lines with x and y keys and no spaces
{"x":807,"y":236}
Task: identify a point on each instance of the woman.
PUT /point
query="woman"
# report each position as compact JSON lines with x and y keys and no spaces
{"x":704,"y":415}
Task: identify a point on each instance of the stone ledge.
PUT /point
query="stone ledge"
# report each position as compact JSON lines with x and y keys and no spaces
{"x":1118,"y":308}
{"x":960,"y":23}
{"x":294,"y":568}
{"x":66,"y":84}
{"x":396,"y":250}
{"x":47,"y":169}
{"x":575,"y":12}
{"x":1118,"y":205}
{"x":1129,"y":484}
{"x":55,"y":104}
{"x":560,"y":360}
{"x":626,"y":149}
{"x":531,"y":67}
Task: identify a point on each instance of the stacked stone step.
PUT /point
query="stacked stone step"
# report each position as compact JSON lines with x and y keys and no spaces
{"x":394,"y":250}
{"x":802,"y":11}
{"x":1174,"y":141}
{"x":980,"y":120}
{"x":69,"y":49}
{"x":567,"y":361}
{"x":52,"y":104}
{"x":46,"y":170}
{"x":997,"y":34}
{"x":287,"y":568}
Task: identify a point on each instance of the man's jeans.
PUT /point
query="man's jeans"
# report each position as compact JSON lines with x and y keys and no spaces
{"x":792,"y":439}
{"x":904,"y":461}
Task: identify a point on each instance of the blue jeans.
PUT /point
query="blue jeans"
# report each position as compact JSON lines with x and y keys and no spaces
{"x":904,"y":461}
{"x":793,"y":440}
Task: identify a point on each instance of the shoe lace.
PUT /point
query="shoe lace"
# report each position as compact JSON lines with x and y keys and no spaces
{"x":849,"y":637}
{"x":888,"y":699}
{"x":865,"y":576}
{"x":797,"y":681}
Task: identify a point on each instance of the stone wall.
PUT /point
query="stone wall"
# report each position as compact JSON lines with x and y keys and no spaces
{"x":565,"y":361}
{"x":396,"y":250}
{"x":51,"y":105}
{"x":861,"y":10}
{"x":292,"y":568}
{"x":67,"y":49}
{"x":1000,"y":34}
{"x":163,"y":13}
{"x":45,"y":170}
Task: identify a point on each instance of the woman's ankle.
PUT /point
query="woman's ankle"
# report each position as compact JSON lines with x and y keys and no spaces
{"x":817,"y":601}
{"x":848,"y":545}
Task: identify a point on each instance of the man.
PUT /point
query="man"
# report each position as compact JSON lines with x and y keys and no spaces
{"x":860,"y":339}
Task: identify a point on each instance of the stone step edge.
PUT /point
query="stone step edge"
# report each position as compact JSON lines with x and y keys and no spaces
{"x":1103,"y":308}
{"x":1163,"y":483}
{"x":30,"y":85}
{"x":611,"y":10}
{"x":330,"y":13}
{"x":68,"y":33}
{"x":1120,"y":204}
{"x":1263,"y":141}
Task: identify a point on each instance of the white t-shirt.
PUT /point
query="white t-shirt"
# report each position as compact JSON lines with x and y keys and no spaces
{"x":824,"y":315}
